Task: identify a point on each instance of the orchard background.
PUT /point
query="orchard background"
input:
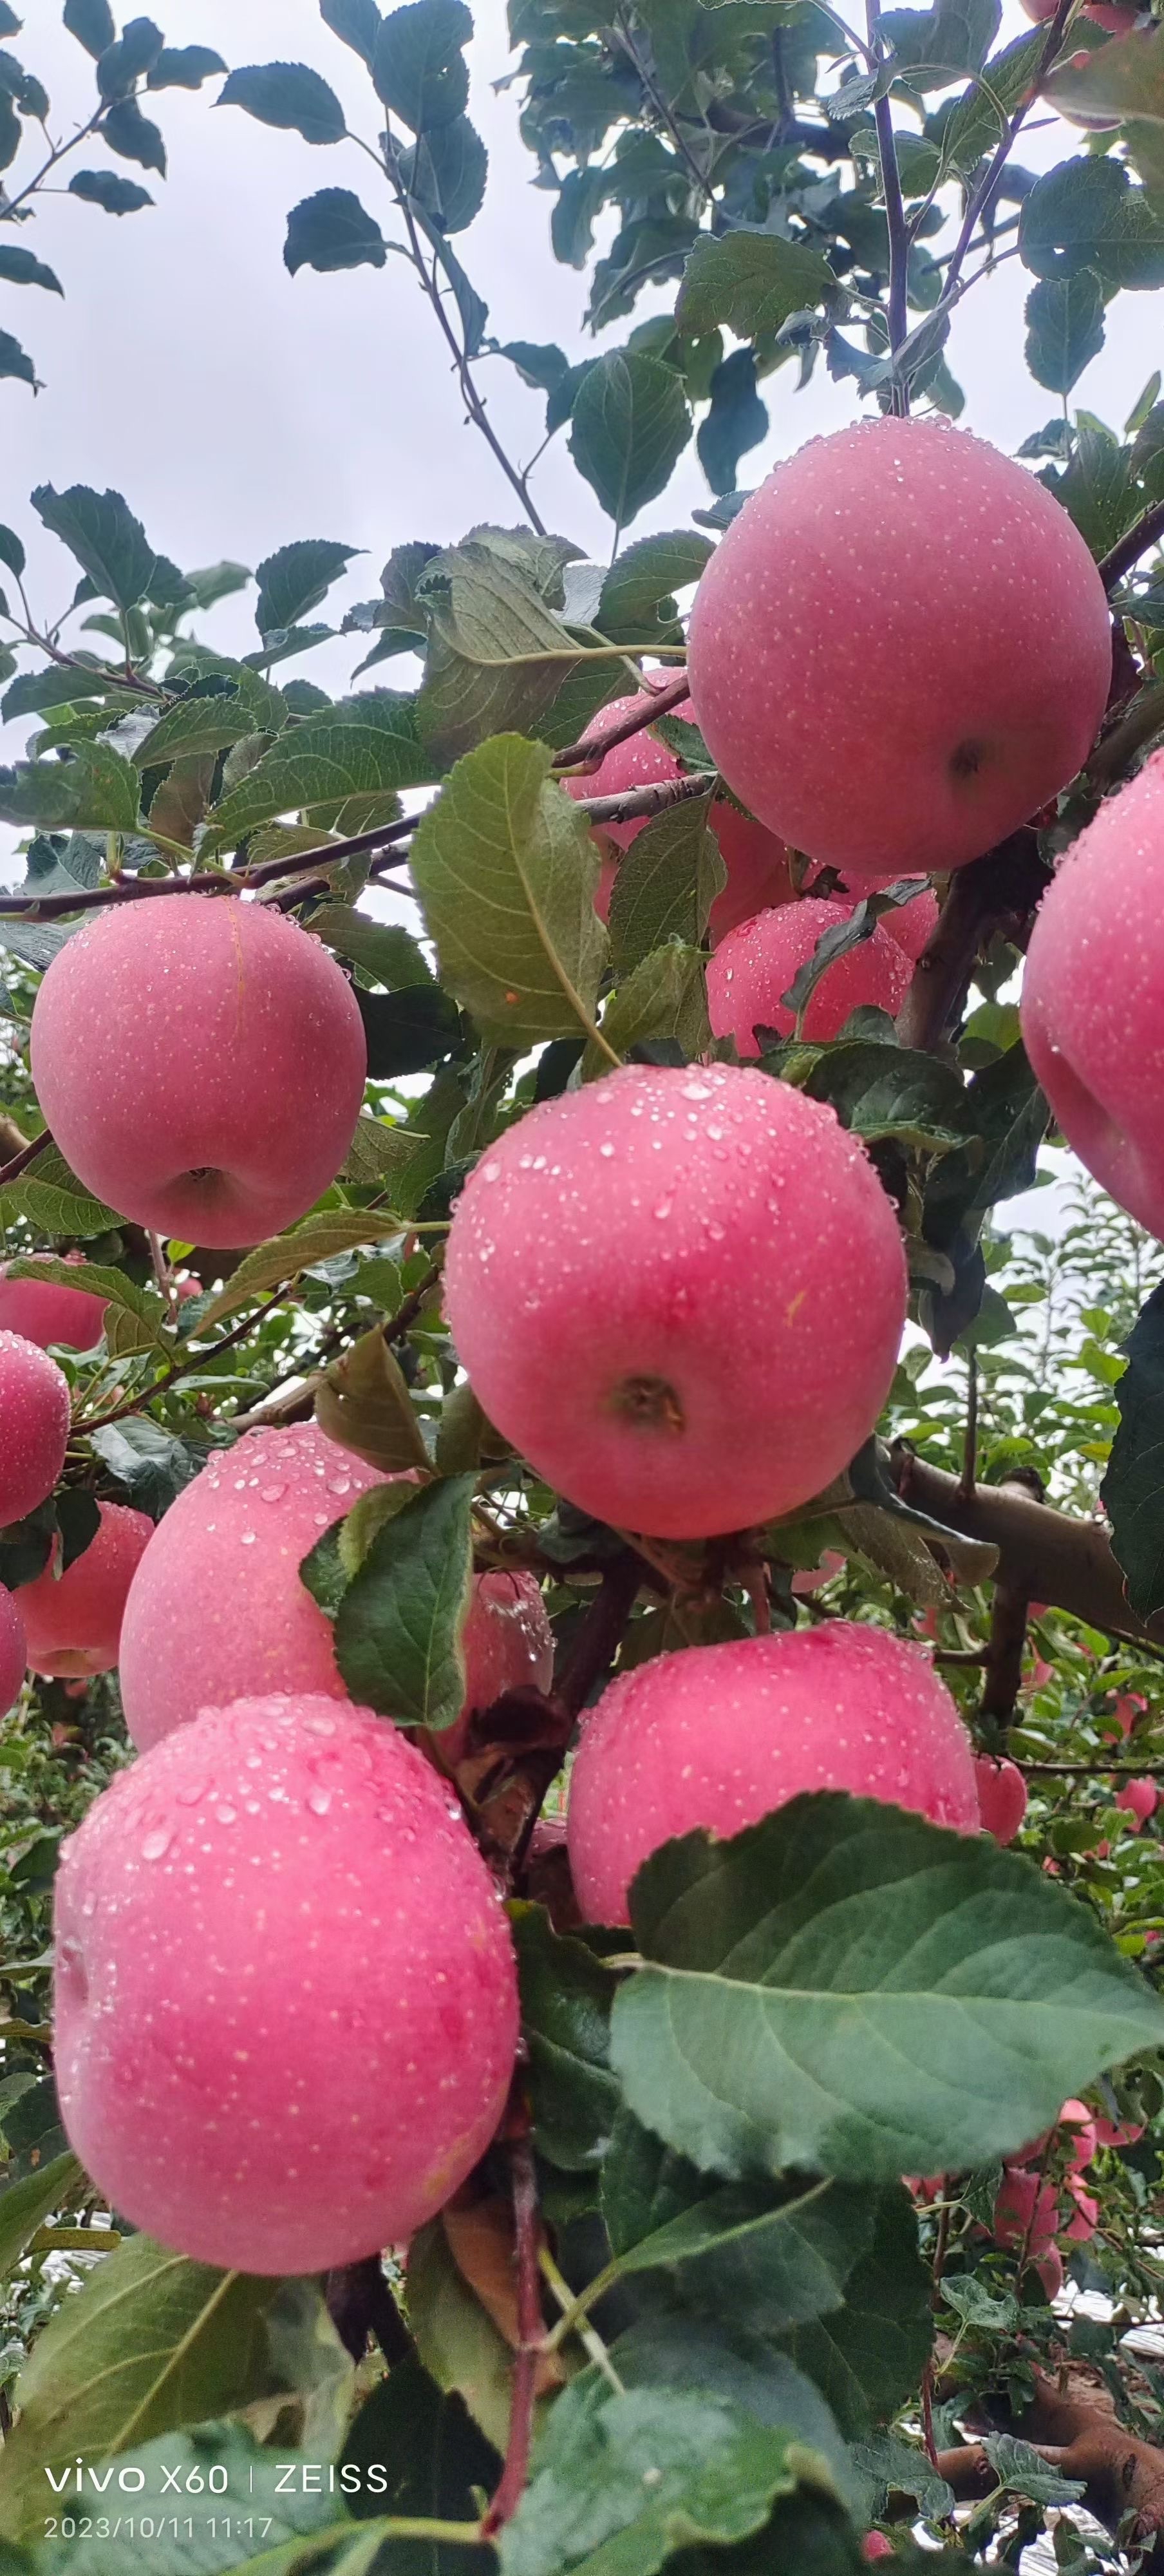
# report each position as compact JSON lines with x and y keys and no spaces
{"x":821,"y":2211}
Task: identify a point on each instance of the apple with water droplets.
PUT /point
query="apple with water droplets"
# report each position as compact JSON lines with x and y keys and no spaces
{"x":73,"y":1620}
{"x":1002,"y":1797}
{"x":900,"y":650}
{"x":680,"y":1292}
{"x":34,"y":1426}
{"x":46,"y":1313}
{"x":756,"y":863}
{"x":754,"y":966}
{"x":201,"y":1063}
{"x":275,"y":1931}
{"x":719,"y":1736}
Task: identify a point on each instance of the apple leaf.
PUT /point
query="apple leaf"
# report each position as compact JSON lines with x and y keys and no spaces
{"x":630,"y":424}
{"x":666,"y":884}
{"x":566,"y":1995}
{"x":399,"y":1625}
{"x":1132,"y":1491}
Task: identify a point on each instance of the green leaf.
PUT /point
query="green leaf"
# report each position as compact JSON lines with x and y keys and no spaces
{"x":19,"y":268}
{"x":1117,"y":84}
{"x":286,"y":1256}
{"x":153,"y":1465}
{"x":378,"y":1152}
{"x":1024,"y":2471}
{"x":134,"y":1316}
{"x":753,"y":282}
{"x":506,"y":871}
{"x":398,"y":1628}
{"x":896,"y":2465}
{"x":184,"y":67}
{"x":497,"y":653}
{"x":290,"y":95}
{"x":347,"y":760}
{"x":636,"y":605}
{"x":208,"y":719}
{"x":15,"y":361}
{"x":458,"y":2343}
{"x":92,"y":23}
{"x":737,"y":421}
{"x":566,"y":1995}
{"x":630,"y":424}
{"x":355,"y":22}
{"x":34,"y":691}
{"x":385,"y":951}
{"x":53,"y":1201}
{"x":618,"y":2482}
{"x":151,"y":2343}
{"x":446,"y":171}
{"x":407,"y":1031}
{"x":665,"y":997}
{"x":867,"y":2355}
{"x":436,"y":2458}
{"x":94,"y":790}
{"x":364,"y":1404}
{"x":1132,"y":1491}
{"x":887,"y":1091}
{"x":298,"y":576}
{"x":666,"y":884}
{"x":419,"y":68}
{"x":130,"y":54}
{"x":99,"y":528}
{"x":1087,"y":214}
{"x":932,"y":47}
{"x":132,"y":136}
{"x":11,"y":551}
{"x":25,"y":2205}
{"x":672,"y":2347}
{"x":1064,"y":328}
{"x":104,"y":188}
{"x":332,"y":230}
{"x":977,"y":121}
{"x":945,"y":1995}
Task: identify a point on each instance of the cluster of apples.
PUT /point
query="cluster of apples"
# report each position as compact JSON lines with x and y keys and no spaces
{"x":1043,"y":2202}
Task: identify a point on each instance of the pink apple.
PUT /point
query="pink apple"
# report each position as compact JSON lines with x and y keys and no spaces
{"x":1139,"y":1800}
{"x":1002,"y":1797}
{"x":1106,"y":13}
{"x":12,"y":1655}
{"x":34,"y":1425}
{"x":718,"y":1736}
{"x":757,"y":865}
{"x":912,"y":924}
{"x":1084,"y":2218}
{"x":217,"y":1610}
{"x":1078,"y":2126}
{"x":1093,"y":993}
{"x":1026,"y":2213}
{"x":680,"y":1293}
{"x":201,"y":1063}
{"x":44,"y":1313}
{"x":900,"y":650}
{"x":1050,"y":2271}
{"x":507,"y":1643}
{"x":810,"y":1578}
{"x":73,"y":1620}
{"x":753,"y":967}
{"x":1118,"y":2133}
{"x":286,"y":2008}
{"x":1129,"y":1705}
{"x":875,"y":2545}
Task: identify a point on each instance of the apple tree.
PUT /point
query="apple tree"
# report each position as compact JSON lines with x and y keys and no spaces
{"x":581,"y":1600}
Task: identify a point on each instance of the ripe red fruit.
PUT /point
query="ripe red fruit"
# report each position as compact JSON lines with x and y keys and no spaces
{"x":73,"y":1620}
{"x":753,"y":967}
{"x":12,"y":1654}
{"x":286,"y":2007}
{"x":1002,"y":1797}
{"x":1026,"y":2213}
{"x":1139,"y":1800}
{"x":680,"y":1293}
{"x":1092,"y":994}
{"x":718,"y":1736}
{"x":34,"y":1425}
{"x":912,"y":924}
{"x":508,"y":1644}
{"x":44,"y":1313}
{"x":217,"y":1610}
{"x":201,"y":1063}
{"x":1106,"y":13}
{"x":875,"y":2545}
{"x":848,"y":703}
{"x":756,"y":863}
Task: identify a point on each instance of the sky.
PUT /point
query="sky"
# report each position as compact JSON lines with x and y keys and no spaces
{"x":237,"y":407}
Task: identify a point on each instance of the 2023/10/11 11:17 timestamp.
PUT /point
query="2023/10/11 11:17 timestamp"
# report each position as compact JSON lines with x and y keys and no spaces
{"x":158,"y":2526}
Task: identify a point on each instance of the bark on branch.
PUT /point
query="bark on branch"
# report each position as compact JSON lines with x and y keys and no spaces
{"x":1046,"y":1554}
{"x":1076,"y":2430}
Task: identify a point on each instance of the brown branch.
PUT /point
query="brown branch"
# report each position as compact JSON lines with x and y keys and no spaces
{"x":1010,"y":1611}
{"x":1148,"y":531}
{"x":646,"y":801}
{"x":1076,"y":2430}
{"x":601,"y":1633}
{"x":531,"y":2334}
{"x":181,"y":1367}
{"x":592,"y":748}
{"x":28,"y":1154}
{"x":980,"y":201}
{"x":1004,"y":885}
{"x":1050,"y":1556}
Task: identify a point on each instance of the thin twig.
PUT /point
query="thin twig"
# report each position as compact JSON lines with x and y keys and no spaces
{"x":1148,"y":531}
{"x":894,"y":214}
{"x":531,"y":2337}
{"x":182,"y":1367}
{"x":980,"y":200}
{"x":970,"y":1445}
{"x":655,"y":96}
{"x":20,"y":1162}
{"x":592,"y":748}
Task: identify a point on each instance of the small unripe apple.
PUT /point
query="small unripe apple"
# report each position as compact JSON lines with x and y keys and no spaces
{"x":286,"y":2008}
{"x":201,"y":1063}
{"x":718,"y":1736}
{"x":680,"y":1293}
{"x":217,"y":1610}
{"x":12,"y":1655}
{"x":1139,"y":1800}
{"x":851,"y":705}
{"x":1093,"y":991}
{"x":1002,"y":1797}
{"x":753,"y":967}
{"x":34,"y":1425}
{"x":756,"y":863}
{"x":44,"y":1313}
{"x":73,"y":1620}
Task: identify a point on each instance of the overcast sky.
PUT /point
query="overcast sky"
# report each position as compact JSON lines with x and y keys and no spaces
{"x":237,"y":407}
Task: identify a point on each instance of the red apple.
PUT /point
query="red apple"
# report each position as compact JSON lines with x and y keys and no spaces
{"x":12,"y":1655}
{"x":900,"y":650}
{"x":286,"y":2007}
{"x":718,"y":1736}
{"x":1139,"y":1800}
{"x":912,"y":924}
{"x":1093,"y":992}
{"x":73,"y":1620}
{"x":753,"y":967}
{"x":201,"y":1063}
{"x":680,"y":1293}
{"x":217,"y":1610}
{"x":34,"y":1425}
{"x":1026,"y":2213}
{"x":757,"y":865}
{"x":44,"y":1313}
{"x":507,"y":1643}
{"x":1002,"y":1797}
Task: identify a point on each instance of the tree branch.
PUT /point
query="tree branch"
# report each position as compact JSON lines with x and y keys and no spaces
{"x":1004,"y":885}
{"x":1009,"y":1613}
{"x":1148,"y":531}
{"x":980,"y":201}
{"x":1075,"y":2429}
{"x":531,"y":2332}
{"x":28,"y":1154}
{"x":591,"y":750}
{"x":1051,"y":1557}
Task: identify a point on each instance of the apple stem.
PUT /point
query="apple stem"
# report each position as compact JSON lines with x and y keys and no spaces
{"x":531,"y":2336}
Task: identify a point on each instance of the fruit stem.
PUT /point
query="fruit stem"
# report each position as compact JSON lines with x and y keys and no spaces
{"x":531,"y":2336}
